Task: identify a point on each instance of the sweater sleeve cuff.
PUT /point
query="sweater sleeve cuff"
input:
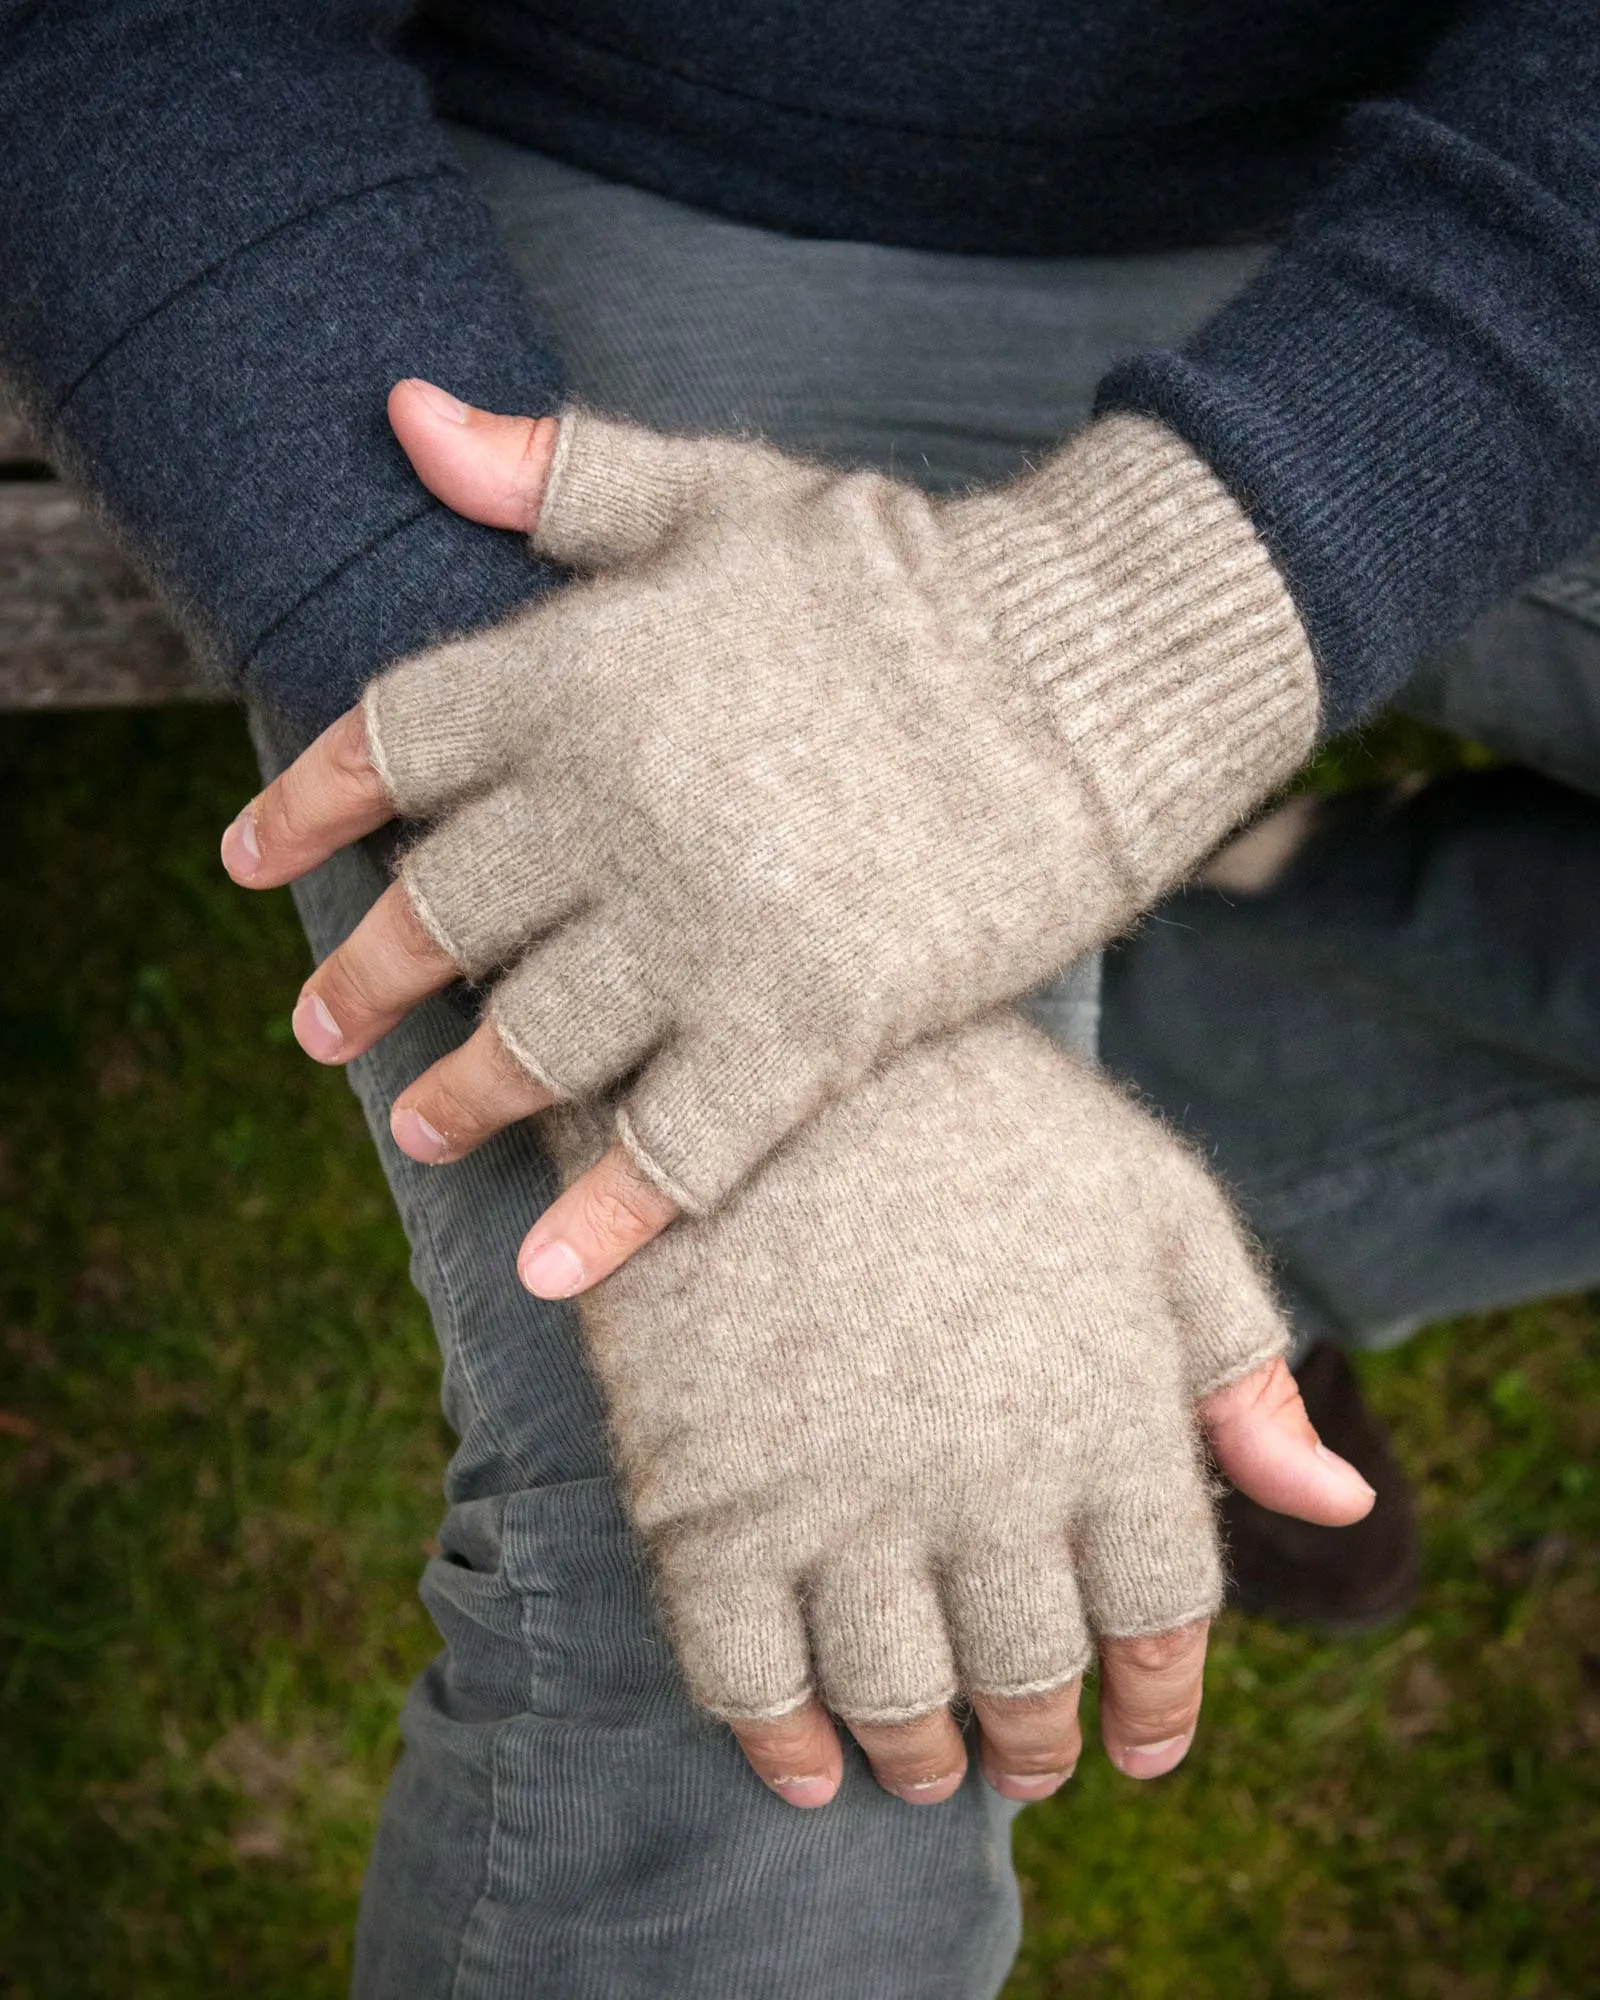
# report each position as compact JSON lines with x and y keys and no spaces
{"x":224,"y":239}
{"x":1382,"y":402}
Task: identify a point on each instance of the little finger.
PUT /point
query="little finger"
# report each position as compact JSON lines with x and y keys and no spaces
{"x":596,"y":1226}
{"x":329,"y":796}
{"x":796,"y":1754}
{"x":1150,"y":1698}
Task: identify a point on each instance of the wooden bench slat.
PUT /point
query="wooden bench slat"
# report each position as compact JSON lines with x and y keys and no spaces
{"x":16,"y":441}
{"x":78,"y":629}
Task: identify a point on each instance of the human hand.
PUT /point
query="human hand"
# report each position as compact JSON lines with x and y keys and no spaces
{"x":810,"y":765}
{"x":331,"y":795}
{"x":1259,"y":1433}
{"x":911,"y":1419}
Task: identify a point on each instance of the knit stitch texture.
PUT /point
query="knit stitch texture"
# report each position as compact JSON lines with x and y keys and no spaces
{"x":963,"y":1448}
{"x":813,"y":764}
{"x":226,"y":229}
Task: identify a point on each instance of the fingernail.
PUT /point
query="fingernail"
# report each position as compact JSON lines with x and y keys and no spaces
{"x":927,"y":1791}
{"x":315,"y":1029}
{"x":804,"y":1791}
{"x":241,"y":850}
{"x":552,"y":1271}
{"x":1343,"y":1465}
{"x":442,"y":403}
{"x":1153,"y":1760}
{"x":1012,"y":1786}
{"x":415,"y":1136}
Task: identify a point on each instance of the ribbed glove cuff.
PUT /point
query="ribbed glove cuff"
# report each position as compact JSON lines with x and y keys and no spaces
{"x":1133,"y":595}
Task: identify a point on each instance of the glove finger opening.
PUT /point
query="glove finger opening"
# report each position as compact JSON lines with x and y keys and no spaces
{"x":736,"y":1628}
{"x":878,"y":1634}
{"x":1148,"y":1559}
{"x":617,"y":491}
{"x":1216,"y":1286}
{"x":1016,"y":1618}
{"x":574,"y":1010}
{"x":499,"y":872}
{"x":708,"y":1110}
{"x":450,"y":722}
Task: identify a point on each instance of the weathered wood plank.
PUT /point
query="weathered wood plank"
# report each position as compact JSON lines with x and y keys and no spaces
{"x":16,"y":443}
{"x":78,"y":629}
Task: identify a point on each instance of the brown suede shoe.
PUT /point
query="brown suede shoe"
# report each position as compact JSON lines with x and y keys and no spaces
{"x":1340,"y":1580}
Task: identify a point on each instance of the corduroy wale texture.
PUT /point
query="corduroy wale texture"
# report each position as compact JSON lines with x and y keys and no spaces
{"x":965,"y":1448}
{"x":811,"y":764}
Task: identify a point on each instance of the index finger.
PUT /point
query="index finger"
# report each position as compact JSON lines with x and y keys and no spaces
{"x":329,"y":796}
{"x":1150,"y":1698}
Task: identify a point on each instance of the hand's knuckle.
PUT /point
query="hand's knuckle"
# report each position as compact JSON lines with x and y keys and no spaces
{"x":1031,"y":1726}
{"x":1158,"y":1652}
{"x":278,"y":815}
{"x":1264,"y":1392}
{"x":446,"y":1106}
{"x":1162,"y":1721}
{"x":511,"y":1077}
{"x":913,"y":1753}
{"x":413,"y":944}
{"x":1039,"y":1736}
{"x":614,"y":1210}
{"x":1040,"y":1759}
{"x":777,"y":1742}
{"x":930,"y":1767}
{"x":351,"y":987}
{"x":1047,"y":1707}
{"x":349,"y":755}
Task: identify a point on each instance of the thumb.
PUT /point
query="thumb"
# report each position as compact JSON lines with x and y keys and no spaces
{"x":1264,"y":1442}
{"x":491,"y":469}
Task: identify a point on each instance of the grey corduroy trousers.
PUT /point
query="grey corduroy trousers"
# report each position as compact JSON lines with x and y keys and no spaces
{"x":562,"y":1824}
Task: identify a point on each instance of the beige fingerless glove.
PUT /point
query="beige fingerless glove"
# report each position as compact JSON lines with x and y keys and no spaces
{"x":913,"y":1414}
{"x":812,"y":763}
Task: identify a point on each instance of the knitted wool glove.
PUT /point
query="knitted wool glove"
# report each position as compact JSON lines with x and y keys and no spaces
{"x":913,"y":1413}
{"x":813,"y":763}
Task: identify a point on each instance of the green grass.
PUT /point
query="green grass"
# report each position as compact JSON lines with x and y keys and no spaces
{"x":221,"y":1454}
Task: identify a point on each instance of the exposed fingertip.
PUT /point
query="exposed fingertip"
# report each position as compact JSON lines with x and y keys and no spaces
{"x":1151,"y":1760}
{"x":552,"y":1270}
{"x":807,"y":1792}
{"x":241,"y":847}
{"x":1353,"y":1490}
{"x":1345,"y":1470}
{"x":416,"y":1138}
{"x":315,"y":1029}
{"x":439,"y":402}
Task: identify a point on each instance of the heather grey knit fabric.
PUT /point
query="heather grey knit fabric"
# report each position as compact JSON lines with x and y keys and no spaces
{"x":962,"y":1445}
{"x":813,"y":764}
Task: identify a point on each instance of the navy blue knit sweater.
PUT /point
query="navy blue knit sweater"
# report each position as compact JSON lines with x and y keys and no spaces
{"x":226,"y":228}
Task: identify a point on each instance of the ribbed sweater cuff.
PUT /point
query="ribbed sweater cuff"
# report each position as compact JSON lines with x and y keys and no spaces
{"x":1406,"y":398}
{"x":1136,"y":600}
